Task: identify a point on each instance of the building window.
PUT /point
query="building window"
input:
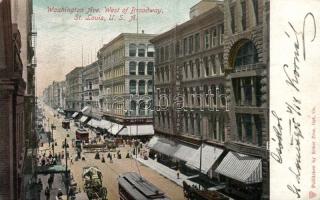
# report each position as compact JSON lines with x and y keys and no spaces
{"x":168,"y":118}
{"x":207,"y":39}
{"x":161,"y":54}
{"x":192,"y":123}
{"x":132,"y":50}
{"x":166,"y":53}
{"x":150,"y":68}
{"x":247,"y":123}
{"x":213,"y":92}
{"x":150,"y":87}
{"x":258,"y":125}
{"x":221,"y":33}
{"x":256,"y":9}
{"x":167,"y":73}
{"x":142,"y":107}
{"x":178,"y":48}
{"x":198,"y":121}
{"x":186,"y":123}
{"x":222,"y":97}
{"x":185,"y":67}
{"x":185,"y":46}
{"x":190,"y":44}
{"x":162,"y":74}
{"x":206,"y":94}
{"x":150,"y":50}
{"x":186,"y":96}
{"x":191,"y":68}
{"x":192,"y":96}
{"x":133,"y":107}
{"x":244,"y":15}
{"x":246,"y":55}
{"x":220,"y":57}
{"x":141,"y":50}
{"x":197,"y":42}
{"x":132,"y":68}
{"x":213,"y":64}
{"x":133,"y":87}
{"x":214,"y":37}
{"x":233,"y":23}
{"x":206,"y":66}
{"x":142,"y":87}
{"x":198,"y":68}
{"x":141,"y":68}
{"x":198,"y":96}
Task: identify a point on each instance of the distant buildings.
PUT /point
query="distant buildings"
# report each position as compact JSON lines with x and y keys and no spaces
{"x":74,"y":90}
{"x":17,"y":97}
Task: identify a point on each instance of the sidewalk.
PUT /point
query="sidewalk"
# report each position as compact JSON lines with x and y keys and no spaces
{"x":166,"y":171}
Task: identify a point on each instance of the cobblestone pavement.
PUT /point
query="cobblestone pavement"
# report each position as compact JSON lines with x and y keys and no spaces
{"x":110,"y":171}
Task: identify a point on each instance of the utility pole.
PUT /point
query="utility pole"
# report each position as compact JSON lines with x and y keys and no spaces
{"x":66,"y":173}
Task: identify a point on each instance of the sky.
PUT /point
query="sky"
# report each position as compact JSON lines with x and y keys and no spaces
{"x":61,"y":38}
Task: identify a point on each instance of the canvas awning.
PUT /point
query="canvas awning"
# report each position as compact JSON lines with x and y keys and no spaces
{"x":83,"y":119}
{"x":53,"y":169}
{"x":137,"y":130}
{"x":104,"y":124}
{"x":184,"y":152}
{"x":93,"y":123}
{"x":243,"y":168}
{"x":75,"y":114}
{"x":115,"y":128}
{"x":209,"y":155}
{"x":163,"y":145}
{"x":84,"y":109}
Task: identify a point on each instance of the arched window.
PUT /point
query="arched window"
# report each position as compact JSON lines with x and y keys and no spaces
{"x":192,"y":123}
{"x":186,"y":96}
{"x":133,"y":87}
{"x":213,"y":94}
{"x":192,"y":96}
{"x":150,"y":50}
{"x":141,"y":68}
{"x":222,"y":97}
{"x":246,"y":55}
{"x":191,"y":68}
{"x":133,"y":107}
{"x":150,"y":86}
{"x":141,"y":50}
{"x":132,"y":68}
{"x":150,"y":68}
{"x":142,"y":87}
{"x":142,"y":107}
{"x":132,"y":50}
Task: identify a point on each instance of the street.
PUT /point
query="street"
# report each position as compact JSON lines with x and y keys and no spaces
{"x":110,"y":171}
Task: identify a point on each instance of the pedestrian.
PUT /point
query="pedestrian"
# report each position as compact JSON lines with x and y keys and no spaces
{"x":40,"y":184}
{"x":59,"y":193}
{"x":178,"y":174}
{"x":47,"y":193}
{"x":71,"y":160}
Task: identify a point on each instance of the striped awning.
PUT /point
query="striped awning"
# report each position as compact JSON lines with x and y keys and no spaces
{"x":209,"y":155}
{"x":243,"y":168}
{"x":137,"y":130}
{"x":83,"y":119}
{"x":75,"y":114}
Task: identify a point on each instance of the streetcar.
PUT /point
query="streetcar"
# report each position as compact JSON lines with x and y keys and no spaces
{"x":132,"y":186}
{"x":82,"y":134}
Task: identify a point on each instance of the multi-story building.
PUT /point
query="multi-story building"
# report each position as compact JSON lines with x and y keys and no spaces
{"x":126,"y":85}
{"x":16,"y":95}
{"x":246,"y":57}
{"x":211,"y":80}
{"x":62,"y":95}
{"x":90,"y":90}
{"x":74,"y":90}
{"x":190,"y":85}
{"x":55,"y":94}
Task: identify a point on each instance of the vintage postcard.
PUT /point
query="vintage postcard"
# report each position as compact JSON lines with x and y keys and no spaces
{"x":159,"y":99}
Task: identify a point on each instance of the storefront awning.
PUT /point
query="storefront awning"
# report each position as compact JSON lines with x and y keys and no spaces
{"x":244,"y":168}
{"x":83,"y":119}
{"x":75,"y":114}
{"x":184,"y":152}
{"x":104,"y":124}
{"x":137,"y":130}
{"x":53,"y":169}
{"x":115,"y":128}
{"x":84,"y":109}
{"x":93,"y":123}
{"x":163,"y":145}
{"x":209,"y":153}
